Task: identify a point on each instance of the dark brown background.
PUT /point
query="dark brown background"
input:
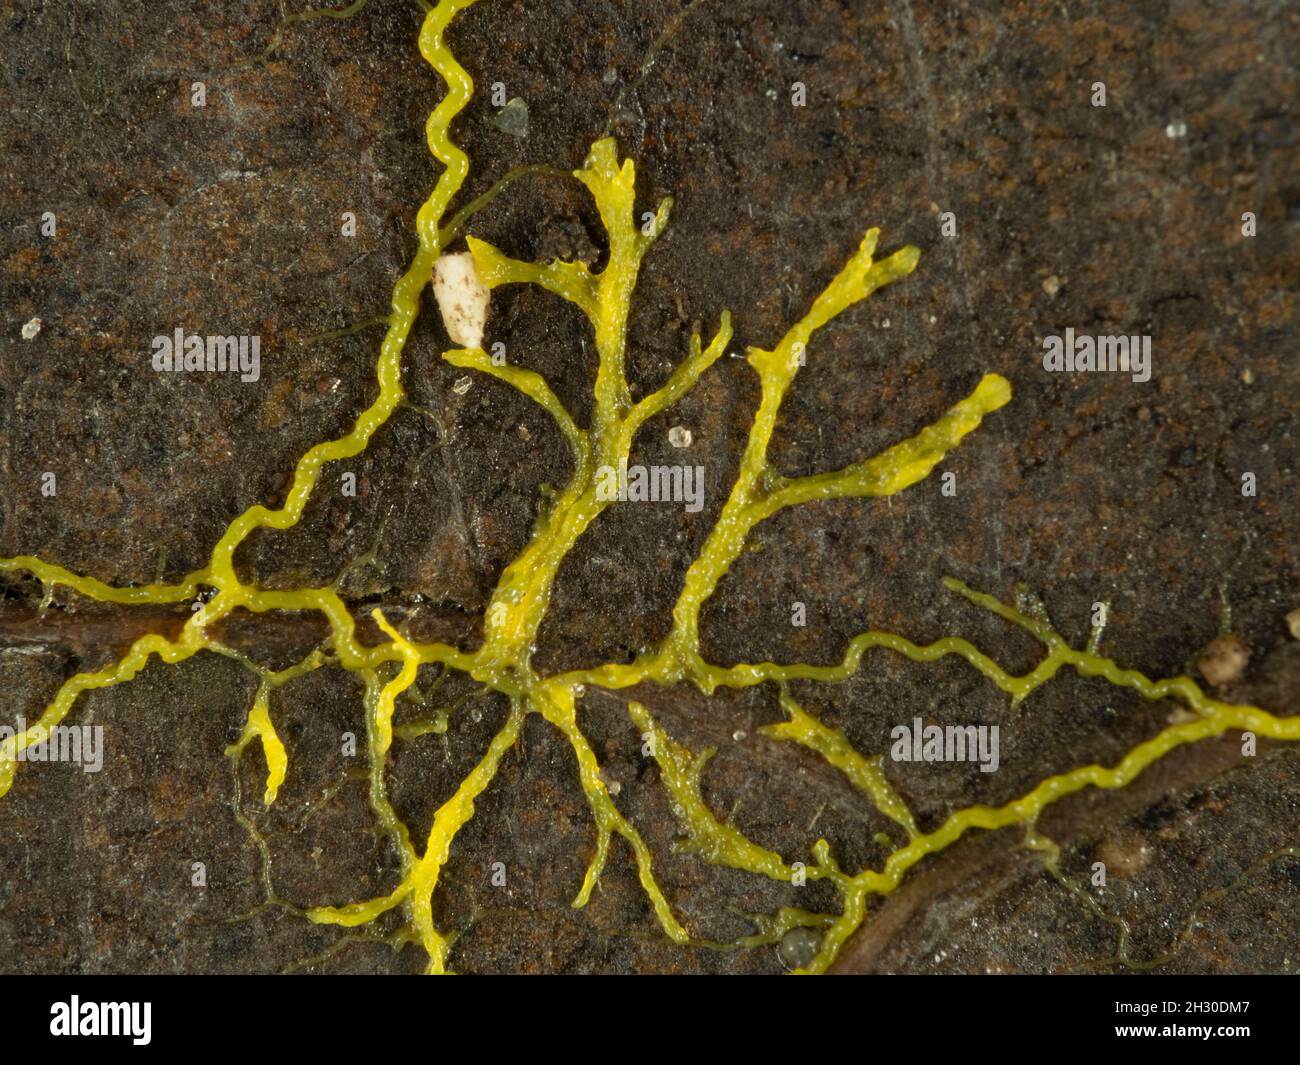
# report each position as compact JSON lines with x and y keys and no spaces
{"x":226,"y":220}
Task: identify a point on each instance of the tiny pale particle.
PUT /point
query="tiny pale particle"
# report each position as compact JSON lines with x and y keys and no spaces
{"x":462,"y":298}
{"x":1224,"y":660}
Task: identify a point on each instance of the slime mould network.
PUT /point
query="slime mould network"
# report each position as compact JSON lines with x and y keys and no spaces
{"x":503,"y":660}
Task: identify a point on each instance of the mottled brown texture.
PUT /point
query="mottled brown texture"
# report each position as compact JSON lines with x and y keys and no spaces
{"x":226,"y":220}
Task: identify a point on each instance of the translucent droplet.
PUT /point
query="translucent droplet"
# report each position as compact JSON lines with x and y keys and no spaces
{"x":798,"y":947}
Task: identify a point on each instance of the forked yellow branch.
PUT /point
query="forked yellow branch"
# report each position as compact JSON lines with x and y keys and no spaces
{"x":503,"y":660}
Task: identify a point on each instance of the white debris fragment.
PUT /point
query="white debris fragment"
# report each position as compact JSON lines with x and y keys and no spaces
{"x":31,"y":329}
{"x":462,"y":298}
{"x":679,"y":436}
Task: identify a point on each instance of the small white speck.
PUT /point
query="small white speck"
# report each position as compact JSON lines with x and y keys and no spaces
{"x":679,"y":436}
{"x":739,"y":735}
{"x":31,"y":329}
{"x":462,"y":298}
{"x":462,"y":385}
{"x":1175,"y":130}
{"x":884,"y":324}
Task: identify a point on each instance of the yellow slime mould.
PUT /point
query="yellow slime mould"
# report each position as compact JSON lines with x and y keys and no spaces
{"x":503,"y":661}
